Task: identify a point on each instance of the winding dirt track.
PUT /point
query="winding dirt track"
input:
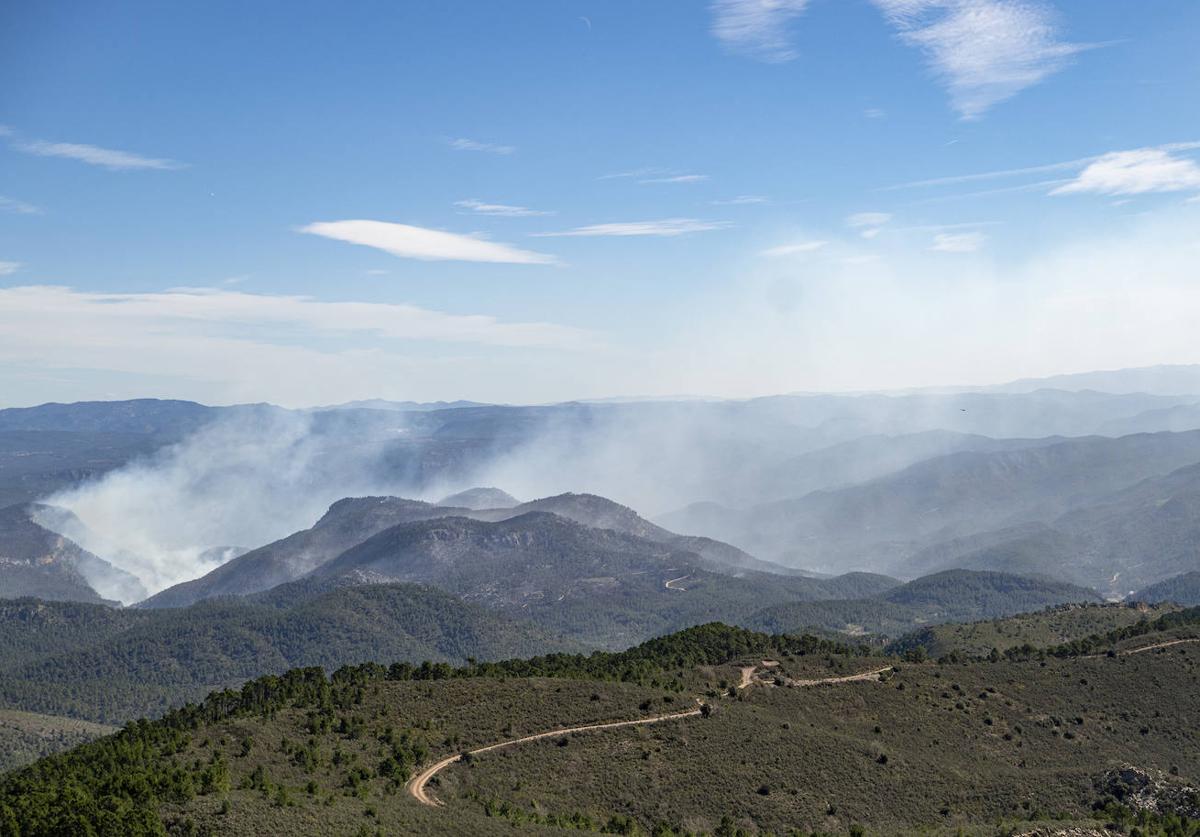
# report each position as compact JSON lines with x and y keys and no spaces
{"x":668,"y":584}
{"x":417,"y":784}
{"x":1143,"y":649}
{"x":1160,"y":645}
{"x":849,"y":678}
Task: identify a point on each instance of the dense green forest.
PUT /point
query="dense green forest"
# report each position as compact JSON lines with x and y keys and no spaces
{"x":109,"y":665}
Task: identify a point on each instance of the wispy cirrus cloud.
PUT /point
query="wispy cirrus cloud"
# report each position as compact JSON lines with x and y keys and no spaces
{"x":983,"y":51}
{"x":655,"y":174}
{"x":94,"y":155}
{"x":868,"y":224}
{"x":502,"y":210}
{"x":967,"y":242}
{"x":794,"y":249}
{"x":288,"y":349}
{"x":195,"y":310}
{"x":17,"y":207}
{"x":464,"y":144}
{"x":667,"y":227}
{"x":757,"y":28}
{"x":1135,"y":172}
{"x":741,"y":200}
{"x":9,"y":268}
{"x":677,"y":178}
{"x":411,"y":242}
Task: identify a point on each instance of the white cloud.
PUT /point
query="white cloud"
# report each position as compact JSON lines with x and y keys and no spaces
{"x":94,"y":155}
{"x":9,"y":268}
{"x":18,"y":207}
{"x":757,"y":28}
{"x":868,"y":219}
{"x":499,"y":209}
{"x":869,"y":224}
{"x":232,"y":346}
{"x":741,"y":200}
{"x":1150,"y":169}
{"x":677,"y":178}
{"x":645,"y":171}
{"x":185,"y":308}
{"x":967,"y":242}
{"x":464,"y":144}
{"x":984,"y":51}
{"x":420,"y":243}
{"x":656,"y":174}
{"x":875,"y":113}
{"x":794,"y":249}
{"x":666,"y":227}
{"x":1134,"y":173}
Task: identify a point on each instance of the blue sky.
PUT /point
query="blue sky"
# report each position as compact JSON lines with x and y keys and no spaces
{"x":308,"y":203}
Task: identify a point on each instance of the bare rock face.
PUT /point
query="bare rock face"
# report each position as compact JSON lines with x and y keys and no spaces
{"x":38,"y":561}
{"x":1152,"y":791}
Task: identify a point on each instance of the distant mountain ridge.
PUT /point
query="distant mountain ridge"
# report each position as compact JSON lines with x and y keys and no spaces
{"x":1170,"y":379}
{"x":1139,"y":535}
{"x":950,"y":596}
{"x":882,"y":524}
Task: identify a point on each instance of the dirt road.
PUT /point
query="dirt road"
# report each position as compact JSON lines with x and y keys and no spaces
{"x":416,"y":785}
{"x":849,"y":678}
{"x":676,"y":581}
{"x":1160,"y":645}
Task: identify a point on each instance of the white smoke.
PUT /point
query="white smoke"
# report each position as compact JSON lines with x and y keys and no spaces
{"x":240,"y":482}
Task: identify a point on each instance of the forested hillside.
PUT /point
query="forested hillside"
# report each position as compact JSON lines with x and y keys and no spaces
{"x":790,"y":732}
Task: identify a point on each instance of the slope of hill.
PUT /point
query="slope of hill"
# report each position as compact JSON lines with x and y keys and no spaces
{"x":35,"y":561}
{"x":31,"y":629}
{"x":602,"y":513}
{"x":881,"y":524}
{"x":1053,"y":626}
{"x":797,"y":735}
{"x":347,"y":523}
{"x":601,"y":586}
{"x":867,"y":458}
{"x":352,"y":521}
{"x":951,"y":596}
{"x":480,"y":498}
{"x":1127,"y":539}
{"x":154,"y":660}
{"x":1182,"y":589}
{"x":27,"y":736}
